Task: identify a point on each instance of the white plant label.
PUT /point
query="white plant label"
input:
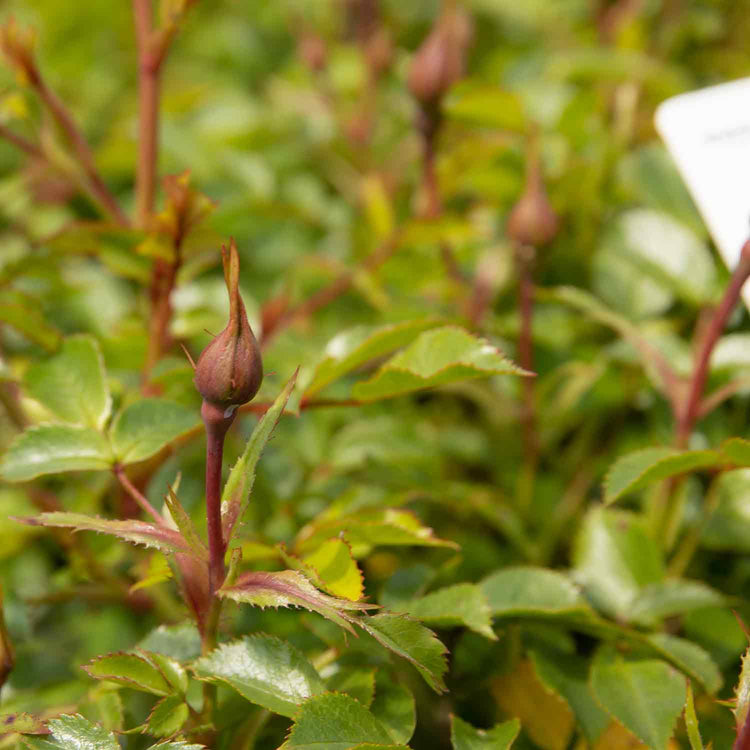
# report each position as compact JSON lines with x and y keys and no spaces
{"x":708,"y":134}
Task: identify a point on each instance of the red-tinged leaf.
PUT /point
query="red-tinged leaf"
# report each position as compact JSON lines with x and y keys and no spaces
{"x":136,"y":532}
{"x":289,"y":588}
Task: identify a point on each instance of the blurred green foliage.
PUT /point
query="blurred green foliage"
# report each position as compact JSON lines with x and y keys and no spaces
{"x":403,"y":437}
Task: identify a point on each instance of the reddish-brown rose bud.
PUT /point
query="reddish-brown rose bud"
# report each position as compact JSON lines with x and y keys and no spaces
{"x":440,"y":61}
{"x":230,"y":370}
{"x":533,"y":220}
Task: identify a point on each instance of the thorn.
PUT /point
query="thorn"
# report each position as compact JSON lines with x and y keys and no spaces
{"x":213,"y":335}
{"x":187,"y":354}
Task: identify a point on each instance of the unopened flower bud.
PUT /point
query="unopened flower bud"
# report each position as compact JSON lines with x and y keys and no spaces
{"x":230,"y":370}
{"x":533,"y":220}
{"x":440,"y":61}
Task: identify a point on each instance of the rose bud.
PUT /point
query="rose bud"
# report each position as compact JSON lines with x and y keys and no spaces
{"x":533,"y":220}
{"x":440,"y":61}
{"x":230,"y":370}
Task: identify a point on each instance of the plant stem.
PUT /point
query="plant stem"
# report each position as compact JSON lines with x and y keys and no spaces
{"x":149,"y":64}
{"x":162,"y":283}
{"x":136,"y":494}
{"x":691,"y":407}
{"x":7,"y":659}
{"x":82,"y":150}
{"x":217,"y":425}
{"x":29,"y":148}
{"x":248,"y":733}
{"x":525,"y":258}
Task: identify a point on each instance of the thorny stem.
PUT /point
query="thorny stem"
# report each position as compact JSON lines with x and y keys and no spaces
{"x":136,"y":494}
{"x":691,"y":408}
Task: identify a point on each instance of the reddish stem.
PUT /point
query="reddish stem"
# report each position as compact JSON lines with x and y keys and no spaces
{"x":217,"y":425}
{"x":136,"y":494}
{"x":692,"y":405}
{"x":82,"y":150}
{"x":743,"y":736}
{"x":149,"y":64}
{"x":29,"y":148}
{"x":525,"y":257}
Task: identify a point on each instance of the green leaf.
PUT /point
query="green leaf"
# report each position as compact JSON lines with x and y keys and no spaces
{"x":639,"y":469}
{"x":500,"y":737}
{"x":669,"y":252}
{"x":691,"y":722}
{"x":645,"y":695}
{"x":135,"y":532}
{"x":526,"y":591}
{"x":24,"y":315}
{"x":335,"y":722}
{"x":370,"y":528}
{"x":73,"y":383}
{"x":239,"y":484}
{"x":437,"y":357}
{"x":132,"y":670}
{"x":167,"y":716}
{"x":590,"y":305}
{"x":359,"y":682}
{"x":486,"y":105}
{"x":173,"y":671}
{"x":690,"y":658}
{"x":672,"y":597}
{"x":180,"y":642}
{"x":464,"y":604}
{"x":413,"y":642}
{"x":737,"y":451}
{"x":566,"y":675}
{"x":54,"y":448}
{"x":145,"y":427}
{"x":73,"y":732}
{"x":287,"y":588}
{"x":354,"y":347}
{"x":176,"y":745}
{"x":614,"y":557}
{"x":264,"y":670}
{"x":394,"y":707}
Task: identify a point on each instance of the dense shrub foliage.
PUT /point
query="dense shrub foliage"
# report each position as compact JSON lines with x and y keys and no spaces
{"x":494,"y":489}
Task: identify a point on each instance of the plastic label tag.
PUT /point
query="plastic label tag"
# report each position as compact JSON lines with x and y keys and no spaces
{"x":708,"y":134}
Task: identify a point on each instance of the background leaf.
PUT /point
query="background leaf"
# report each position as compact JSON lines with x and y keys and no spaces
{"x":145,"y":427}
{"x":436,"y":357}
{"x":646,"y":695}
{"x":53,"y":449}
{"x":336,"y":722}
{"x":466,"y":737}
{"x":73,"y":383}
